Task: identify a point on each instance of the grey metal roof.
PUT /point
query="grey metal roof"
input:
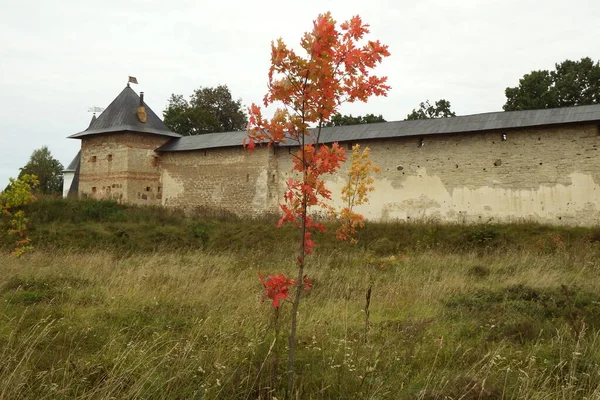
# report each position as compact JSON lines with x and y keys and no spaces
{"x":463,"y":124}
{"x":206,"y":141}
{"x":121,"y":115}
{"x":74,"y":164}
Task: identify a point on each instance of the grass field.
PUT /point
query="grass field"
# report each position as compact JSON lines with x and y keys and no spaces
{"x":493,"y":319}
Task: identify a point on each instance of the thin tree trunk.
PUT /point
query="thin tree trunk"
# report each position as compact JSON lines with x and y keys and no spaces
{"x":298,"y":294}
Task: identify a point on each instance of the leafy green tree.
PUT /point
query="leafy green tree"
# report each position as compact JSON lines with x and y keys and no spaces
{"x":18,"y":193}
{"x":208,"y":110}
{"x":47,"y":169}
{"x":341,"y":120}
{"x":441,"y":109}
{"x":572,"y":83}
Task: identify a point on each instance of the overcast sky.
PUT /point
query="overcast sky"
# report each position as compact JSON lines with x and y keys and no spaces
{"x":58,"y":58}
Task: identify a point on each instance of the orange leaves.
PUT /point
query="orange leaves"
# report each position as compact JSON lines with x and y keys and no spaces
{"x":276,"y":287}
{"x":355,"y":193}
{"x":335,"y":67}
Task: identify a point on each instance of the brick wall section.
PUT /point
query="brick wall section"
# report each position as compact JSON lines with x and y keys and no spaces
{"x":121,"y":166}
{"x":230,"y":179}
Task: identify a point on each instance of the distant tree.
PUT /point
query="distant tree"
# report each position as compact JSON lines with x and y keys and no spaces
{"x":341,"y":120}
{"x":441,"y":109}
{"x":572,"y":83}
{"x":210,"y":109}
{"x":47,"y":169}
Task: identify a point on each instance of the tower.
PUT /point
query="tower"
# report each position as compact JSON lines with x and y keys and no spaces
{"x":117,"y":158}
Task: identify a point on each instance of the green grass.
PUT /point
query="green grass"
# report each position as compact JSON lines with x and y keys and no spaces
{"x":91,"y":225}
{"x":192,"y":325}
{"x":172,"y":310}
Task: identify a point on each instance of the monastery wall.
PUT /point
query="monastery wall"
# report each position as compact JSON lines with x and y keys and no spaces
{"x":549,"y":175}
{"x":230,"y":179}
{"x":121,"y":166}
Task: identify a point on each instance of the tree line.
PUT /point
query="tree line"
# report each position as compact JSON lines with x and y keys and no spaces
{"x":571,"y":83}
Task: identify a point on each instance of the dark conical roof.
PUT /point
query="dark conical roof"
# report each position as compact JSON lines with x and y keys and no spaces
{"x":92,"y":121}
{"x":74,"y":164}
{"x":121,"y":115}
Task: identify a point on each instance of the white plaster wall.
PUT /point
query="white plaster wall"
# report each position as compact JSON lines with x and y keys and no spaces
{"x":548,"y":175}
{"x":68,"y":177}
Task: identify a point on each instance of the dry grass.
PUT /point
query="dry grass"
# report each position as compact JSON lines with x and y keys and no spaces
{"x":480,"y":325}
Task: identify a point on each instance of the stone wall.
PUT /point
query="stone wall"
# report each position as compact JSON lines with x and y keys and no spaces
{"x":230,"y":179}
{"x":121,"y":166}
{"x":549,"y":175}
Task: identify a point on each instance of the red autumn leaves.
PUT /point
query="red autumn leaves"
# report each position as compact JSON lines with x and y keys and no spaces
{"x":276,"y":287}
{"x":335,"y":69}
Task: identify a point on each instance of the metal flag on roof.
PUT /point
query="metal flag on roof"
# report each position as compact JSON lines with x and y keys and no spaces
{"x":133,"y":79}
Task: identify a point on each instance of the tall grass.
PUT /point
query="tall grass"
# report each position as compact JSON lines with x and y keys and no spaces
{"x":190,"y":324}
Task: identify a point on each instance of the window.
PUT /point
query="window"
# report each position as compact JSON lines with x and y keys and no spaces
{"x":148,"y":188}
{"x":93,"y":159}
{"x":109,"y":158}
{"x":94,"y":189}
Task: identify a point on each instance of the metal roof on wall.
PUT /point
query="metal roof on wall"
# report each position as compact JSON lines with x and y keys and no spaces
{"x":462,"y":124}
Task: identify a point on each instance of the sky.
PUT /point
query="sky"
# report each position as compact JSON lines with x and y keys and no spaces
{"x":59,"y":58}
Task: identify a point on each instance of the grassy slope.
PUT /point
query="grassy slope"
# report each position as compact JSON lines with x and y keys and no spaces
{"x":456,"y":311}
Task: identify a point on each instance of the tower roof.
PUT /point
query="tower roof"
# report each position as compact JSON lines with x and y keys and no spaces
{"x":121,"y":115}
{"x":72,"y":167}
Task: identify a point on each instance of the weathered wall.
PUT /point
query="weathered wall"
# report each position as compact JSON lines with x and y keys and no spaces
{"x":231,"y":179}
{"x":550,"y":175}
{"x":121,"y":166}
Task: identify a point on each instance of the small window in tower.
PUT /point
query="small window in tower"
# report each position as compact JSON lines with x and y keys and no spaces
{"x":158,"y":189}
{"x":148,"y":188}
{"x":109,"y":158}
{"x":94,"y":189}
{"x":93,"y":158}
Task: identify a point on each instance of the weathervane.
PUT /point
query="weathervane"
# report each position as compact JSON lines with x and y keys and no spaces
{"x":95,"y":109}
{"x":132,"y":79}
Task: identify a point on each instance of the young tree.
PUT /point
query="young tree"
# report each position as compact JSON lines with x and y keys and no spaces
{"x":209,"y":110}
{"x":335,"y":69}
{"x":47,"y":169}
{"x":18,"y":194}
{"x":343,"y":120}
{"x":441,"y":109}
{"x":572,"y":83}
